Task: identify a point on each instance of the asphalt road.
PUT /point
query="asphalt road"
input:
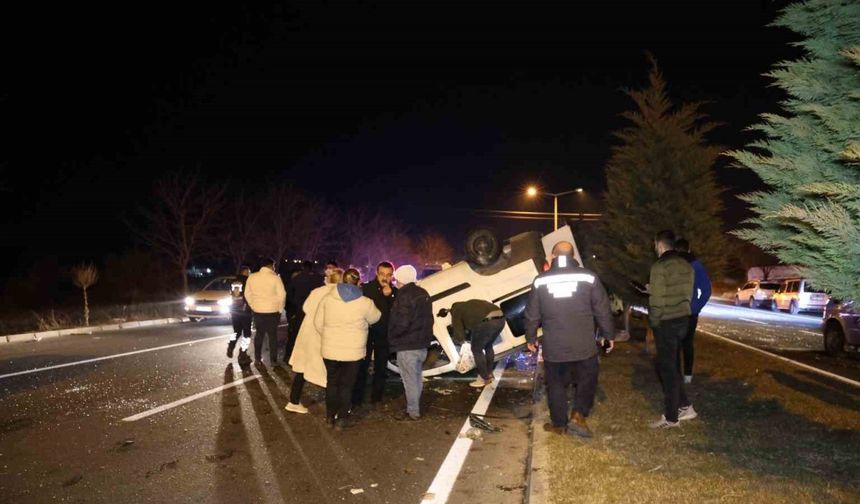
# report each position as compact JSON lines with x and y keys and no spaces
{"x":63,"y":438}
{"x":797,"y":337}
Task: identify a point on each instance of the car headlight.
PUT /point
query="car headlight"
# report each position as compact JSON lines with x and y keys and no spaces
{"x":189,"y":301}
{"x":225,"y":302}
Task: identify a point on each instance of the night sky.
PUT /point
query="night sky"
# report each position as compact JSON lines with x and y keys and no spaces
{"x":417,"y":107}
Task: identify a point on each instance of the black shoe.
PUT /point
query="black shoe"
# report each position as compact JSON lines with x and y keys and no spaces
{"x":258,"y":363}
{"x":345,"y":423}
{"x":230,"y":347}
{"x":244,"y":359}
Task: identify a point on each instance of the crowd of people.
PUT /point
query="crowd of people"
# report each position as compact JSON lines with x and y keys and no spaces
{"x":339,"y":328}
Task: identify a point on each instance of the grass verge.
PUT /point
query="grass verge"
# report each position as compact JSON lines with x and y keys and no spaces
{"x":767,"y":432}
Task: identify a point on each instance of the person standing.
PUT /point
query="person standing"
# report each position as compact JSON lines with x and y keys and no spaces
{"x":701,"y":295}
{"x":265,"y":294}
{"x":382,"y":293}
{"x":307,"y":360}
{"x":300,"y":287}
{"x":240,"y":314}
{"x":410,"y":332}
{"x":342,"y":319}
{"x":484,"y":321}
{"x":670,"y":288}
{"x":565,"y":301}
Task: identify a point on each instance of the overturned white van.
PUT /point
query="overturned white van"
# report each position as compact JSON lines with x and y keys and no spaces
{"x":505,"y":281}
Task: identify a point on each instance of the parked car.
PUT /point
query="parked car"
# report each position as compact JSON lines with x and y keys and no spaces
{"x":756,"y":293}
{"x":213,"y":301}
{"x":796,"y":295}
{"x":841,"y":327}
{"x":498,"y":271}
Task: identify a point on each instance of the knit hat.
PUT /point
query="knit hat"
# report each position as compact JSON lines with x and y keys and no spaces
{"x":405,"y":274}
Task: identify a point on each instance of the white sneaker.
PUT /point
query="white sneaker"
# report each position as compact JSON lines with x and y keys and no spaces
{"x":296,"y":408}
{"x":688,"y":379}
{"x":687,"y":413}
{"x":664,"y":424}
{"x":479,"y":383}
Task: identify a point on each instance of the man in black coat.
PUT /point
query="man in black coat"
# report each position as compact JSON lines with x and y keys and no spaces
{"x":301,"y":285}
{"x":240,"y":313}
{"x":382,"y":293}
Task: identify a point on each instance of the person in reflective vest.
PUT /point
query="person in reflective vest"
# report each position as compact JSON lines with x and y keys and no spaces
{"x":565,"y":302}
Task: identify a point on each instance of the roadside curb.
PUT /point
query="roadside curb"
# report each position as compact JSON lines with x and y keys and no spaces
{"x":37,"y":336}
{"x":538,"y":467}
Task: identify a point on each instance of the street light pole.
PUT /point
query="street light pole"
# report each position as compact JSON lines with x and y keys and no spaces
{"x":533,"y":191}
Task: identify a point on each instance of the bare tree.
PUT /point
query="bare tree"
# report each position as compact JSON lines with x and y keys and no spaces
{"x":281,"y":208}
{"x":315,"y":229}
{"x":434,"y":249}
{"x":84,"y":276}
{"x":243,"y":237}
{"x":180,"y":222}
{"x":371,"y":237}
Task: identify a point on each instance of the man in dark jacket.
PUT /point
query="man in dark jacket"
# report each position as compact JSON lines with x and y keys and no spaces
{"x":671,"y":289}
{"x":484,"y":322}
{"x":300,"y":286}
{"x":701,"y":295}
{"x":410,"y":332}
{"x":565,"y":301}
{"x":240,"y":313}
{"x":382,"y":293}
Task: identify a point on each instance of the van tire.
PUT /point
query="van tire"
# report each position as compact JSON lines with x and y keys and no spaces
{"x":483,"y":246}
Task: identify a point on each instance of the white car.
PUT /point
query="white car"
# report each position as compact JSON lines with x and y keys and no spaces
{"x":213,"y":301}
{"x":796,"y":295}
{"x":756,"y":293}
{"x":505,"y":281}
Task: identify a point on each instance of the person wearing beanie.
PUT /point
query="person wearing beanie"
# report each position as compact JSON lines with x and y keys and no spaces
{"x":410,"y":332}
{"x":342,"y":319}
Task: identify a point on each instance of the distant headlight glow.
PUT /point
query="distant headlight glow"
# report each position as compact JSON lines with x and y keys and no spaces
{"x":189,"y":301}
{"x":225,"y":302}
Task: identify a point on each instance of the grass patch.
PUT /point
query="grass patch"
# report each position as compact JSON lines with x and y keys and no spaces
{"x":767,"y":432}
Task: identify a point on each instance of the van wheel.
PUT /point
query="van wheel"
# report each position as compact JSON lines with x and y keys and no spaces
{"x":193,"y":319}
{"x":793,"y":308}
{"x":737,"y":301}
{"x":773,"y":305}
{"x":483,"y":247}
{"x":834,"y":340}
{"x":753,"y":304}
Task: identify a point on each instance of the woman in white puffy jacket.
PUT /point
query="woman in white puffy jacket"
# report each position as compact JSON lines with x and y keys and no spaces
{"x":342,"y":319}
{"x":306,"y":360}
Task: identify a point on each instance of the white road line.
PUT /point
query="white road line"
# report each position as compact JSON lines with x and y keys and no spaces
{"x":445,"y":478}
{"x":753,"y":321}
{"x":188,"y":399}
{"x":790,"y":361}
{"x":114,"y":356}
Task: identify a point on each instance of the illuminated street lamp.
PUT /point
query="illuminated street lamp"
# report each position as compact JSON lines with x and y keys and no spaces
{"x":533,"y":191}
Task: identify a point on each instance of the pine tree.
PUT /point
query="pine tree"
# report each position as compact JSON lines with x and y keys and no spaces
{"x":810,"y":156}
{"x":660,"y":177}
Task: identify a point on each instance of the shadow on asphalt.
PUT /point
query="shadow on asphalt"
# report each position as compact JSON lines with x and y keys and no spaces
{"x":235,"y":479}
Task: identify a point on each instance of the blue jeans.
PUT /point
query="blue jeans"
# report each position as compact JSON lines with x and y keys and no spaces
{"x":410,"y":363}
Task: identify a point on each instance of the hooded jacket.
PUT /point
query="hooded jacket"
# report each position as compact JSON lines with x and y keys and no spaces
{"x":307,"y":355}
{"x":565,"y":301}
{"x":411,"y":324}
{"x":701,"y":284}
{"x":342,"y":319}
{"x":671,"y":286}
{"x":264,"y":292}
